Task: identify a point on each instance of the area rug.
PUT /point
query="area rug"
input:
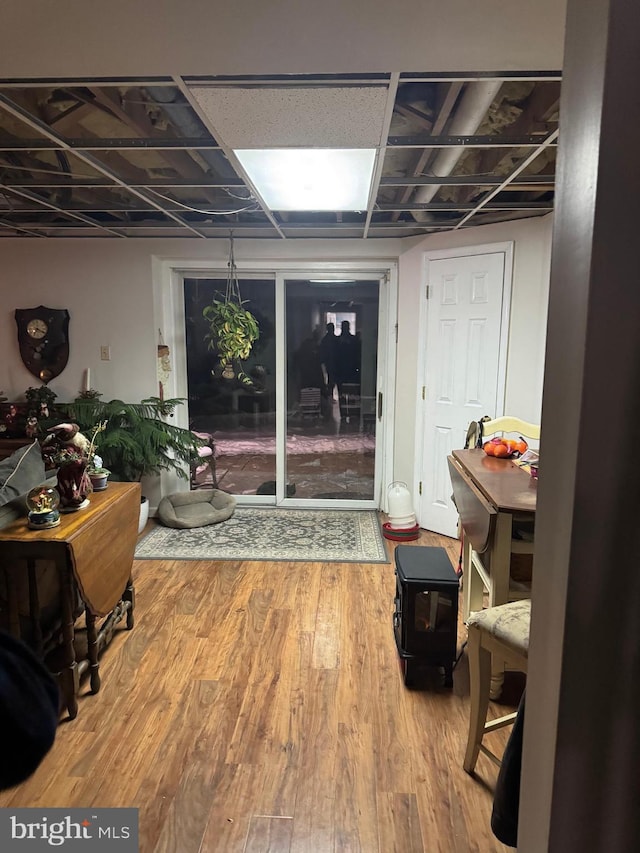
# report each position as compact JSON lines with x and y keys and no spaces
{"x":309,"y":535}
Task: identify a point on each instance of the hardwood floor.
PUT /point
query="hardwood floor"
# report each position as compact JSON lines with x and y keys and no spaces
{"x":260,"y":707}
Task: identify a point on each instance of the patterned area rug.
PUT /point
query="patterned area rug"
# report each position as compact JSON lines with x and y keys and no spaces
{"x":338,"y":536}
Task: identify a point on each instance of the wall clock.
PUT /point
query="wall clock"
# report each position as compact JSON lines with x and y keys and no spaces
{"x":43,"y":338}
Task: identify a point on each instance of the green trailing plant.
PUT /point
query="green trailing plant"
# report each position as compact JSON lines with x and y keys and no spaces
{"x":233,"y":329}
{"x":134,"y":440}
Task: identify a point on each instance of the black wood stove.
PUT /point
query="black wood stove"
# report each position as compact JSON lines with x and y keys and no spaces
{"x":425,"y":620}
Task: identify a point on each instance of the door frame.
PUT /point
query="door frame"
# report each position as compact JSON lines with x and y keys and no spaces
{"x":507,"y":248}
{"x":168,"y":302}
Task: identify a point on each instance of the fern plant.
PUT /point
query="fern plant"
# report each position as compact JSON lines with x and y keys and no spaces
{"x":135,"y":441}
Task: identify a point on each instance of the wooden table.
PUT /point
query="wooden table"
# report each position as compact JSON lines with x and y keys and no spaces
{"x":93,"y":550}
{"x":490,"y":493}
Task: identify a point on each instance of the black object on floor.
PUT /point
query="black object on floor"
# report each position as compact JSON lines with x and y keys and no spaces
{"x":506,"y":801}
{"x":29,"y":709}
{"x":425,"y":619}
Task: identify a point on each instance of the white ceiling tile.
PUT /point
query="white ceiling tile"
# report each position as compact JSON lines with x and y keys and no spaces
{"x":324,"y":117}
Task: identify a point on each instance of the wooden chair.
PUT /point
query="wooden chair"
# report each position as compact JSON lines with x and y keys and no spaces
{"x":509,"y":424}
{"x":349,"y":396}
{"x":206,"y":457}
{"x":310,"y":400}
{"x":502,"y":631}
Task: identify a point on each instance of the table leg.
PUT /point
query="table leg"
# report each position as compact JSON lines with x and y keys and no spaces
{"x":12,"y":603}
{"x":34,"y":607}
{"x":472,"y":584}
{"x":499,"y":593}
{"x":212,"y":468}
{"x":92,"y":649}
{"x":501,"y":560}
{"x":69,"y":676}
{"x":130,"y":596}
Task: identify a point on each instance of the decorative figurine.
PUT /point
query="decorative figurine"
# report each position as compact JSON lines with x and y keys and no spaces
{"x":67,"y":449}
{"x":31,"y":429}
{"x":11,"y":416}
{"x":73,"y":483}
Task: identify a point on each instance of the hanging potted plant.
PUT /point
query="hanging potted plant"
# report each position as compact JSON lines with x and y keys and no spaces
{"x":233,"y":329}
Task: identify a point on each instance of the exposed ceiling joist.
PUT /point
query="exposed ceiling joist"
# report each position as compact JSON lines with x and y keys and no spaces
{"x":138,"y":157}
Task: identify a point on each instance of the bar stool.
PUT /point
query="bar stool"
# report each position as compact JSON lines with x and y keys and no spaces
{"x":503,"y":631}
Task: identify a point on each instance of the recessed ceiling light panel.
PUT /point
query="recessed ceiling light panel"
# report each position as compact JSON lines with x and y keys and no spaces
{"x":310,"y":178}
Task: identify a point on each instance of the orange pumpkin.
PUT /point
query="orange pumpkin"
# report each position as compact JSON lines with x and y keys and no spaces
{"x":501,"y":450}
{"x":495,"y":447}
{"x":505,"y":447}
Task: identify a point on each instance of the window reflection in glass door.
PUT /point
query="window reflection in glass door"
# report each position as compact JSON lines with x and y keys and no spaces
{"x":239,"y":419}
{"x":331,"y":357}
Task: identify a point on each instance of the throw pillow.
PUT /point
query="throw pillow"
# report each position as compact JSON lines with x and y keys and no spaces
{"x":20,"y":472}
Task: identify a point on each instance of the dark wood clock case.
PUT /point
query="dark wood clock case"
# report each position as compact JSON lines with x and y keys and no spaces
{"x":44,"y":351}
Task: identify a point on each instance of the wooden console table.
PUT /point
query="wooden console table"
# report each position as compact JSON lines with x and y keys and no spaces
{"x":93,"y":552}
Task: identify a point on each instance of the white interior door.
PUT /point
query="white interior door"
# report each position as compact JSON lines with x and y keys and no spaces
{"x":464,"y":366}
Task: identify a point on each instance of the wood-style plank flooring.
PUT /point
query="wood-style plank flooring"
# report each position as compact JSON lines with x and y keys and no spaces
{"x":260,"y":707}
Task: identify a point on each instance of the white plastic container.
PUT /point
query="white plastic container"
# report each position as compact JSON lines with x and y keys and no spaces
{"x":400,"y":507}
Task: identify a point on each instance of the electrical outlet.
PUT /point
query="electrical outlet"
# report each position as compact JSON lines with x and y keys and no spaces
{"x":105,"y":353}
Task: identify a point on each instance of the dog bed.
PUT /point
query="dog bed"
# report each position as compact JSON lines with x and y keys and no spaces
{"x":196,"y":509}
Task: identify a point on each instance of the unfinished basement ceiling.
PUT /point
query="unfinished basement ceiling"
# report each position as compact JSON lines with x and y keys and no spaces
{"x":151,"y":158}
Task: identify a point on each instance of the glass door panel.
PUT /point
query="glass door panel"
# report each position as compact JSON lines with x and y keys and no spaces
{"x":331,"y":373}
{"x":239,"y":418}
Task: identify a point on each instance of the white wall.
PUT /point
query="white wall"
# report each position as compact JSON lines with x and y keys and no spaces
{"x":164,"y":37}
{"x":107,"y":289}
{"x":107,"y":286}
{"x":525,"y":357}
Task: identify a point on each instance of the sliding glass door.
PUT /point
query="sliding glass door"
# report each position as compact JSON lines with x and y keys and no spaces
{"x":331,"y":369}
{"x":305,"y":430}
{"x":239,"y":418}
